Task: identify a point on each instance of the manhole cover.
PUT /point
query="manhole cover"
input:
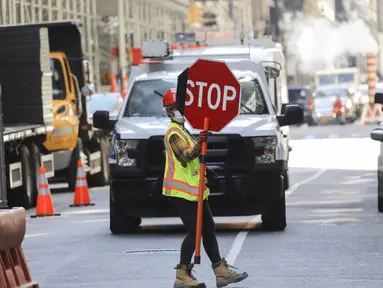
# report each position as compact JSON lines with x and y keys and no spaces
{"x":152,"y":251}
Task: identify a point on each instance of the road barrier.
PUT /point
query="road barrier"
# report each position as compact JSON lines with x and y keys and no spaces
{"x":14,"y":272}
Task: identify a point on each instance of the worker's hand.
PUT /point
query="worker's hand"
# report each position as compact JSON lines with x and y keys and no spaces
{"x":203,"y":136}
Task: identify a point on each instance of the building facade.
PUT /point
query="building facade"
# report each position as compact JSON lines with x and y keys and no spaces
{"x":144,"y":19}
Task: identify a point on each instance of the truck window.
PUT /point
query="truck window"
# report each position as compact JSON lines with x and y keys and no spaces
{"x":58,"y":81}
{"x":67,"y":68}
{"x":252,"y":97}
{"x":143,"y":101}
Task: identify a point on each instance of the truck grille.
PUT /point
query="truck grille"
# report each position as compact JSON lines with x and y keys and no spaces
{"x":222,"y":150}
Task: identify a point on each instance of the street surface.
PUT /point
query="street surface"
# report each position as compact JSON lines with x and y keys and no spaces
{"x":333,"y":237}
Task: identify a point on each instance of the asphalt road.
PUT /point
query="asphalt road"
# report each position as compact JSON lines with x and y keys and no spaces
{"x":333,"y":238}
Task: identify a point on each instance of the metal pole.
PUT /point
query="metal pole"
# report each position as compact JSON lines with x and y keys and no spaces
{"x":3,"y":187}
{"x":121,"y":36}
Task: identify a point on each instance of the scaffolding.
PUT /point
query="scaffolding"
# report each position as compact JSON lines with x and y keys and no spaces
{"x":14,"y":12}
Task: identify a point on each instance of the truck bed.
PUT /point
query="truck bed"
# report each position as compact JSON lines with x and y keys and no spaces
{"x":22,"y":131}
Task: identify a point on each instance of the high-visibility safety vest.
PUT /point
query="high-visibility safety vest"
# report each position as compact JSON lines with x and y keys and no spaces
{"x":179,"y":181}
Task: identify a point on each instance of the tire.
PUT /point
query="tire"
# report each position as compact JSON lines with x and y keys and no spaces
{"x":23,"y":196}
{"x":102,"y":178}
{"x":35,"y":169}
{"x":120,"y":220}
{"x":380,"y":204}
{"x":72,"y":169}
{"x":275,"y":218}
{"x":380,"y":199}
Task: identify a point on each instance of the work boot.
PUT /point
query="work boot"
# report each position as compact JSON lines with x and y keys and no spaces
{"x":225,"y":276}
{"x":185,"y":279}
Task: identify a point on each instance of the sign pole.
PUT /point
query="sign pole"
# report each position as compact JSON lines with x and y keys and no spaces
{"x":197,"y":257}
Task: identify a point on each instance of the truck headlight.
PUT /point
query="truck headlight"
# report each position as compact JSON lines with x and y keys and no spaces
{"x":270,"y":144}
{"x":121,"y":147}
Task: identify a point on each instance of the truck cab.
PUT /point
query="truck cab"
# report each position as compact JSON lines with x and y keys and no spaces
{"x":65,"y":93}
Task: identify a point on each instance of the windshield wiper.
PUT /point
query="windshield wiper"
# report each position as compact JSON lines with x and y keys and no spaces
{"x":247,"y":108}
{"x":158,"y":93}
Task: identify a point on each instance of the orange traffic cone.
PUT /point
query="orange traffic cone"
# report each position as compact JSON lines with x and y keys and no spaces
{"x":44,"y":205}
{"x":81,"y":194}
{"x":113,"y":83}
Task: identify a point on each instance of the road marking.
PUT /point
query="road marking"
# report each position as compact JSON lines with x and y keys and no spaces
{"x":58,"y":185}
{"x":93,"y":211}
{"x":309,"y":137}
{"x":241,"y":237}
{"x":36,"y":235}
{"x":92,"y":221}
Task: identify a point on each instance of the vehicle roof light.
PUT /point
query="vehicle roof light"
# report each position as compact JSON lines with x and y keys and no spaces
{"x":156,"y":49}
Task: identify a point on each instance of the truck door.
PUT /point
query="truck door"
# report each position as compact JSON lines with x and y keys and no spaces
{"x":72,"y":97}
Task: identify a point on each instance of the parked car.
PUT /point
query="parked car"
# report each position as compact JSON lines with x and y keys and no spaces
{"x":302,"y":96}
{"x":108,"y":101}
{"x":324,"y":99}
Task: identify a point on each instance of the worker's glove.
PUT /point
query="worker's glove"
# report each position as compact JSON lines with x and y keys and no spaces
{"x":203,"y":136}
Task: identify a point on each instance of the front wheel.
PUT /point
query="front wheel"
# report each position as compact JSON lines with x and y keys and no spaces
{"x":35,"y":168}
{"x":72,"y":169}
{"x":120,"y":220}
{"x":275,"y":218}
{"x":380,"y":198}
{"x":23,"y":195}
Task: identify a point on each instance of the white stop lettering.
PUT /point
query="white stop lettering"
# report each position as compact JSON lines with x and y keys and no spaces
{"x":209,"y":95}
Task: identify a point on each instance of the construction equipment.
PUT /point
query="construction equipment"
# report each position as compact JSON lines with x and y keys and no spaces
{"x":73,"y":136}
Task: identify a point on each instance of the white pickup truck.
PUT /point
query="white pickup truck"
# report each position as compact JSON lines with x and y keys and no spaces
{"x":248,"y":181}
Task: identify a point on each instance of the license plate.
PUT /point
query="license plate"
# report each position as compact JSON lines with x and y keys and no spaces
{"x":323,"y":119}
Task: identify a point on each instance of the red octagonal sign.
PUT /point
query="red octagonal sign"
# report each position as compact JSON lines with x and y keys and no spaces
{"x":212,"y":91}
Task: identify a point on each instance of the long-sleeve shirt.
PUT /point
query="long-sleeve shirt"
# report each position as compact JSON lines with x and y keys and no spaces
{"x":182,"y":151}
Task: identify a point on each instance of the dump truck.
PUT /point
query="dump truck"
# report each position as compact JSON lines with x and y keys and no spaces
{"x":72,"y":136}
{"x":26,"y":88}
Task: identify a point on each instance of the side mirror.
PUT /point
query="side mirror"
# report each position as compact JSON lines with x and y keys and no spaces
{"x":378,"y":98}
{"x":87,"y":89}
{"x":377,"y":134}
{"x":102,"y":121}
{"x":293,"y":114}
{"x":283,"y":108}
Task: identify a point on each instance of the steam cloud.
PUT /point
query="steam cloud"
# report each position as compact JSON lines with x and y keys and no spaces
{"x":319,"y":44}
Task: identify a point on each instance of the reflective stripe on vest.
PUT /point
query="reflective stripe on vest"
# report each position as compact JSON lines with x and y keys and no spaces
{"x":170,"y":172}
{"x":179,"y":185}
{"x":175,"y":184}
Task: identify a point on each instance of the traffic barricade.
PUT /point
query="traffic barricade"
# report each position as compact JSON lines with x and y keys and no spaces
{"x":14,"y":272}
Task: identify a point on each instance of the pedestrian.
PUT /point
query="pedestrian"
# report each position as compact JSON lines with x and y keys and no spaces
{"x":181,"y":185}
{"x":337,"y":109}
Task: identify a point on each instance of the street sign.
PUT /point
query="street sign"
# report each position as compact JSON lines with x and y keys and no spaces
{"x":208,"y":89}
{"x":209,"y":96}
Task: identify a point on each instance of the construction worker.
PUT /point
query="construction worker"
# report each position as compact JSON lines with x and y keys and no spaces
{"x":338,"y":105}
{"x":181,"y":185}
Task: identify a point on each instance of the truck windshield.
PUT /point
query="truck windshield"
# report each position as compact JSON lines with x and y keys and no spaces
{"x":145,"y":102}
{"x":345,"y":78}
{"x":327,"y":79}
{"x":58,"y":81}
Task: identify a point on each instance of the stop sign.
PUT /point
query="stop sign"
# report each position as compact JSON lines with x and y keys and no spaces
{"x":208,"y":89}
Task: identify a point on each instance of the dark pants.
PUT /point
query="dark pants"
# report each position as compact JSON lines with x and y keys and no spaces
{"x":187,"y":210}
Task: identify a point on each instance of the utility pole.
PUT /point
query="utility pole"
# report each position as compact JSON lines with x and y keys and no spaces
{"x":121,"y":36}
